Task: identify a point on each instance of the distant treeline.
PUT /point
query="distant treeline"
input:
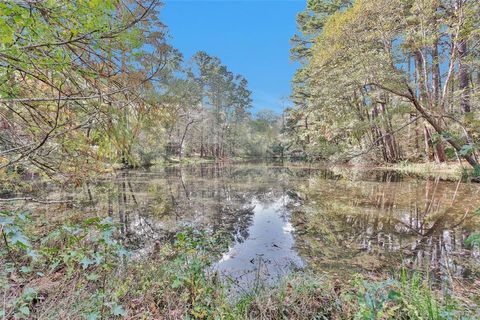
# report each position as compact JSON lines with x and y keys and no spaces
{"x":89,"y":83}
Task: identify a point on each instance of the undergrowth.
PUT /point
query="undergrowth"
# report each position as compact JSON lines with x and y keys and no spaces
{"x":81,"y":271}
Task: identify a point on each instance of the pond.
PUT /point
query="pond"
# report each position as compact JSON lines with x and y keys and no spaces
{"x":282,"y":218}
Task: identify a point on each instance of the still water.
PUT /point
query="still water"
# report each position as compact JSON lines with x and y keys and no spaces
{"x":283,"y":218}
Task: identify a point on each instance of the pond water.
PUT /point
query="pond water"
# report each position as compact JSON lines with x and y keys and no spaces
{"x":282,"y":218}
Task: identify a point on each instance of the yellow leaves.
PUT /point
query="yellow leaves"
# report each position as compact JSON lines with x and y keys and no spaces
{"x":3,"y":161}
{"x":359,"y":34}
{"x":93,"y":3}
{"x":336,"y":34}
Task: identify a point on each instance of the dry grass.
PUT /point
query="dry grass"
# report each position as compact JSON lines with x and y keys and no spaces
{"x":446,"y":171}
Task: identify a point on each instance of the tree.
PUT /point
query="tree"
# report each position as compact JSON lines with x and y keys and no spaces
{"x":226,"y":100}
{"x":67,"y":79}
{"x":375,"y":69}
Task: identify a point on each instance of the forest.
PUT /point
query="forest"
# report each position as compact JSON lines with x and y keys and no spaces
{"x":140,"y":182}
{"x":375,"y":84}
{"x":387,"y":80}
{"x":94,"y":83}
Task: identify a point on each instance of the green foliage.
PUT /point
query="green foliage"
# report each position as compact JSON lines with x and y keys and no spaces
{"x":96,"y":54}
{"x":408,"y":297}
{"x":177,"y":281}
{"x":116,"y":93}
{"x":84,"y":254}
{"x":303,"y":296}
{"x":468,"y":149}
{"x":13,"y":225}
{"x":87,"y":245}
{"x":474,"y":238}
{"x":373,"y":297}
{"x":366,"y":71}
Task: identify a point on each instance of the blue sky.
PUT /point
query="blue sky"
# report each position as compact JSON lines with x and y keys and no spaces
{"x":251,"y":37}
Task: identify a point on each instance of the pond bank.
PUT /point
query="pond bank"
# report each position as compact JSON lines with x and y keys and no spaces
{"x":446,"y":171}
{"x":80,"y":271}
{"x":161,"y":243}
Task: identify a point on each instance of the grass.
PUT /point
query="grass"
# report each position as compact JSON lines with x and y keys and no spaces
{"x":188,"y":160}
{"x":80,"y":271}
{"x":446,"y":171}
{"x":308,"y":296}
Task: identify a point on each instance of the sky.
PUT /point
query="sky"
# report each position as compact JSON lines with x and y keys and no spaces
{"x":251,"y":37}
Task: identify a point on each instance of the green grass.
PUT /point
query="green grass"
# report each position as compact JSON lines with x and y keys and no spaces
{"x":79,"y":271}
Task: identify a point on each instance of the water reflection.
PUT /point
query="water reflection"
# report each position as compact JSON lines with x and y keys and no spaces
{"x":371,"y":226}
{"x":153,"y":206}
{"x":268,"y":253}
{"x":279,"y":218}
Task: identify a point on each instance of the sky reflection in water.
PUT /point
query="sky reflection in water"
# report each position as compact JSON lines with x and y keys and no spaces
{"x":279,"y":218}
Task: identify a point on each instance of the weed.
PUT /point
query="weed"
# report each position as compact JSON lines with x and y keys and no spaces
{"x":80,"y":271}
{"x":72,"y":263}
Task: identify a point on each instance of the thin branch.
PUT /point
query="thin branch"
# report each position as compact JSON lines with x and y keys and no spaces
{"x":384,"y":136}
{"x":35,"y":200}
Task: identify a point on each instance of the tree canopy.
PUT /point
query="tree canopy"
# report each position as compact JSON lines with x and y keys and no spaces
{"x":388,"y":77}
{"x":88,"y":82}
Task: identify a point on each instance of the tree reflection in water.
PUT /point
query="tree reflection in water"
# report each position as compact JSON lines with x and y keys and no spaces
{"x":376,"y":225}
{"x":344,"y":221}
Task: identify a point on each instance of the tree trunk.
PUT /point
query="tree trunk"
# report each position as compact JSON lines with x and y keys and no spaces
{"x":463,"y":83}
{"x":390,"y":142}
{"x":427,"y":139}
{"x":182,"y":142}
{"x":377,"y":134}
{"x":422,"y":89}
{"x":436,"y":78}
{"x":437,"y":148}
{"x":462,"y":49}
{"x":439,"y":129}
{"x":437,"y":151}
